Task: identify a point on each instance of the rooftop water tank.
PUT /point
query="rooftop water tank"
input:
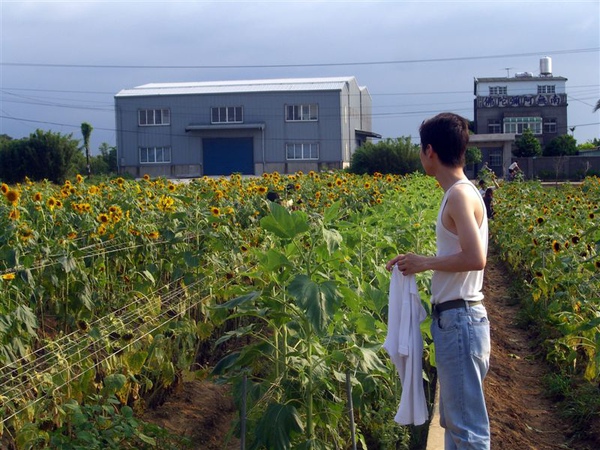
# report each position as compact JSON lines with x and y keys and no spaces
{"x":546,"y":66}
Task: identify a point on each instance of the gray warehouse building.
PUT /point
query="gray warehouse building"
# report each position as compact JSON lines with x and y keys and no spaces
{"x":248,"y":127}
{"x":509,"y":105}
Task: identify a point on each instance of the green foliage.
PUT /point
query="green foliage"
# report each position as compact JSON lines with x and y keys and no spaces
{"x":396,"y":156}
{"x":527,"y":145}
{"x":106,"y":424}
{"x":103,"y":164}
{"x":44,"y":155}
{"x":277,"y":426}
{"x":4,"y":138}
{"x":562,"y":145}
{"x":127,"y":279}
{"x":554,"y":242}
{"x":473,"y":155}
{"x":108,"y":155}
{"x":550,"y":238}
{"x":320,"y":314}
{"x":589,"y":145}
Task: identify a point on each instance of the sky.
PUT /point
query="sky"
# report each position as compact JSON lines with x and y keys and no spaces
{"x":62,"y":62}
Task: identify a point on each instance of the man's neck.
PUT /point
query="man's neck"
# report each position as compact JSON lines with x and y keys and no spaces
{"x":447,"y":176}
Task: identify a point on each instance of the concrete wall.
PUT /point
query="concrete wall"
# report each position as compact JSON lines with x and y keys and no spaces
{"x":567,"y":167}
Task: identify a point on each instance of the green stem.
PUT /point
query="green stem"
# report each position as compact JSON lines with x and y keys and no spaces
{"x":310,"y":431}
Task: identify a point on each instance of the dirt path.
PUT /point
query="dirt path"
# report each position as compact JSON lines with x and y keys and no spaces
{"x":522,"y":418}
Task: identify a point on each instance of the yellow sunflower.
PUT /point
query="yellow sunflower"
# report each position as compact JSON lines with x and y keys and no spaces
{"x":14,"y":214}
{"x":12,"y":196}
{"x":25,"y":234}
{"x":555,"y":246}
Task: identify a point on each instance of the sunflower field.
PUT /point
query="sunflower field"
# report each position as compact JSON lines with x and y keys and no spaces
{"x":112,"y":292}
{"x":550,"y":236}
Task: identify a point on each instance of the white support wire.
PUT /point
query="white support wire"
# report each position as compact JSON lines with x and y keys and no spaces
{"x":110,"y":355}
{"x":128,"y":318}
{"x":33,"y":365}
{"x":102,"y":251}
{"x":99,"y":319}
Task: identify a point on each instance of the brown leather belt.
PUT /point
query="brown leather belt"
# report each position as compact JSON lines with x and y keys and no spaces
{"x":438,"y":308}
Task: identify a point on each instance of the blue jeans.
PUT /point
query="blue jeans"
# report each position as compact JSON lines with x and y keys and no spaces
{"x":462,"y":354}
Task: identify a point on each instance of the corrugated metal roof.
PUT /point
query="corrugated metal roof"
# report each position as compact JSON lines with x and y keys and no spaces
{"x":227,"y":87}
{"x":516,"y":79}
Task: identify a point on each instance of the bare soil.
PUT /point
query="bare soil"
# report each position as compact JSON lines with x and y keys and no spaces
{"x":201,"y":411}
{"x":522,"y":416}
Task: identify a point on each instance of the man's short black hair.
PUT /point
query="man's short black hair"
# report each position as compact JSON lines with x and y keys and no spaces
{"x":448,"y":135}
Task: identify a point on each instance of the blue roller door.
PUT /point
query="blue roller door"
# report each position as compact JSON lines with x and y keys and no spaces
{"x":224,"y":156}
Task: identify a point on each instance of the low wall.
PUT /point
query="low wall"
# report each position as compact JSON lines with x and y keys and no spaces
{"x":559,"y":167}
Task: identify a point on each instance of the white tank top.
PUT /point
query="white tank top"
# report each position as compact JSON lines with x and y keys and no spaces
{"x":447,"y":286}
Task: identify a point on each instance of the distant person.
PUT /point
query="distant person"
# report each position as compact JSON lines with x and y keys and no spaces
{"x":273,"y":197}
{"x":486,"y":175}
{"x":514,"y":172}
{"x":460,"y":327}
{"x":482,"y":187}
{"x":488,"y":199}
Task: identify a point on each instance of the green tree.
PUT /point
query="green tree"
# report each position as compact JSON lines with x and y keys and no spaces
{"x":591,"y":144}
{"x":563,"y":145}
{"x":86,"y":131}
{"x":397,"y":156}
{"x":473,"y":156}
{"x":5,"y":138}
{"x":43,"y":155}
{"x":527,"y":145}
{"x":104,"y":163}
{"x":109,"y":156}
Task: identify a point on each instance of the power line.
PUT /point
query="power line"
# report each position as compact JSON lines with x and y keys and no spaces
{"x":271,"y":66}
{"x":470,"y":91}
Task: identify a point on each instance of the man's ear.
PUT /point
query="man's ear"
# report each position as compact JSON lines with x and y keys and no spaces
{"x":428,"y":151}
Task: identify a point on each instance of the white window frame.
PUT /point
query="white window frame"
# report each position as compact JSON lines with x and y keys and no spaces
{"x":517,"y":125}
{"x":308,"y":112}
{"x":546,"y":89}
{"x":227,"y":114}
{"x":154,"y":117}
{"x":155,"y":155}
{"x":496,"y":158}
{"x":498,"y":90}
{"x":549,"y":125}
{"x":494,"y":126}
{"x":295,"y":151}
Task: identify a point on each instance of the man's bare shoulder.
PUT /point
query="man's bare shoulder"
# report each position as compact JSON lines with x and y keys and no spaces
{"x":463,"y":192}
{"x":464,"y":203}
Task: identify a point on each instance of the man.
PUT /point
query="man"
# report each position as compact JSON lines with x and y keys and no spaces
{"x":460,"y":328}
